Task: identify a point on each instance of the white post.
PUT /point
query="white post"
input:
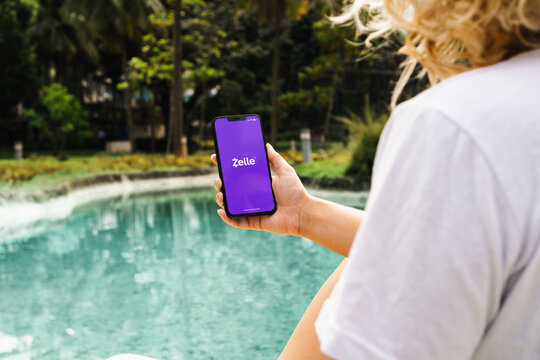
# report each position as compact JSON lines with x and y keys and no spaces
{"x":183,"y":142}
{"x":18,"y":148}
{"x":305,"y":138}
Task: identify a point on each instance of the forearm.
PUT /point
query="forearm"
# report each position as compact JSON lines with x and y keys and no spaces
{"x":330,"y":225}
{"x":304,"y":343}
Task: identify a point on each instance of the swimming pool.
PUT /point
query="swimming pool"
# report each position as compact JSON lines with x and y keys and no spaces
{"x":156,"y":275}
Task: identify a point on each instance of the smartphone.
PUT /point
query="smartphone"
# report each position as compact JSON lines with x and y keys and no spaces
{"x":243,"y":166}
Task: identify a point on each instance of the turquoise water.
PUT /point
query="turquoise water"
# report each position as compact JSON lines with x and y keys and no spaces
{"x":160,"y":276}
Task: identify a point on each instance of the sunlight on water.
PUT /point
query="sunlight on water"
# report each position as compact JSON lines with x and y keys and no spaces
{"x":160,"y":276}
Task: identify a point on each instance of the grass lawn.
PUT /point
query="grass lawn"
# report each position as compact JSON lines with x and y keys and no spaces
{"x":321,"y":169}
{"x":335,"y":166}
{"x":46,"y":171}
{"x":42,"y":171}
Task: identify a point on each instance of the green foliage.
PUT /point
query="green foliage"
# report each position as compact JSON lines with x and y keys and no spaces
{"x":22,"y":171}
{"x":268,"y":10}
{"x":155,"y":62}
{"x":13,"y":175}
{"x":206,"y":40}
{"x":32,"y":118}
{"x":201,"y":36}
{"x":356,"y":123}
{"x":333,"y":163}
{"x":337,"y":53}
{"x":18,"y":77}
{"x":364,"y":154}
{"x":312,"y":101}
{"x":63,"y":36}
{"x":116,"y":22}
{"x":306,"y":103}
{"x":365,"y":132}
{"x":227,"y":65}
{"x":322,"y":169}
{"x":14,"y":172}
{"x":63,"y":115}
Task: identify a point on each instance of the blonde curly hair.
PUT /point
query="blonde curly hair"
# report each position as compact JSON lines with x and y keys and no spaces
{"x":448,"y":37}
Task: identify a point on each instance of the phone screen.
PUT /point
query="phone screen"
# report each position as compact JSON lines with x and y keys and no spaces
{"x":243,"y":163}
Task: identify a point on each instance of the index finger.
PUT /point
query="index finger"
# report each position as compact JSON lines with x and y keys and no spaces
{"x":277,"y":161}
{"x":213,"y":158}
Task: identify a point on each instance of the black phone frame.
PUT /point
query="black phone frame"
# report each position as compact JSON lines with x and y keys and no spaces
{"x":216,"y":148}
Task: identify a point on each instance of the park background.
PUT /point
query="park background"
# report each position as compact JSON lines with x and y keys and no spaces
{"x":109,"y":238}
{"x":76,"y":75}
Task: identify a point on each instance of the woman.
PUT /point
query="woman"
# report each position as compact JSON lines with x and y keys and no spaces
{"x":446,"y":260}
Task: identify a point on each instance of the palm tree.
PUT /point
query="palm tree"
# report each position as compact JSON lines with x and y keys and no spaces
{"x":274,"y":12}
{"x":118,"y":23}
{"x":61,"y":35}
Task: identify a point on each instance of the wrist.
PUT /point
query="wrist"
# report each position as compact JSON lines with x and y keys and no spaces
{"x":305,"y":217}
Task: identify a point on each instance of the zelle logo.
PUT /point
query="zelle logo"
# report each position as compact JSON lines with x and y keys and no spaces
{"x":243,"y":162}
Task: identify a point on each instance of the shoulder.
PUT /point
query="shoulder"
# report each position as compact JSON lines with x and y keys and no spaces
{"x":480,"y":99}
{"x":491,"y":114}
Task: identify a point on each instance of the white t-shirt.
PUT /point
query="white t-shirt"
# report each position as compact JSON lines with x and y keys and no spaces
{"x":446,"y":264}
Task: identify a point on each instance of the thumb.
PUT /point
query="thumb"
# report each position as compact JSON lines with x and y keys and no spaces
{"x":277,"y":161}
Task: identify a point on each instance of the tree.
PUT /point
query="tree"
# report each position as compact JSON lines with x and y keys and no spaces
{"x":18,"y":77}
{"x":206,"y":40}
{"x":118,"y":23}
{"x":62,"y":35}
{"x":153,"y":68}
{"x":339,"y":73}
{"x":315,"y":98}
{"x":62,"y":115}
{"x":203,"y":41}
{"x":176,"y":126}
{"x":274,"y":12}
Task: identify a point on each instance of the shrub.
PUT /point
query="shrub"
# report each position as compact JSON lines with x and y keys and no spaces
{"x":13,"y":174}
{"x":364,"y":154}
{"x":365,"y":133}
{"x":321,"y":169}
{"x":63,"y":115}
{"x":34,"y":165}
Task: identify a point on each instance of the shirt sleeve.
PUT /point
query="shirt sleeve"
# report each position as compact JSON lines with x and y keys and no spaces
{"x":427,"y":267}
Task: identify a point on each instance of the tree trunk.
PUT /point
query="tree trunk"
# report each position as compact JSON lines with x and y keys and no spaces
{"x":164,"y":104}
{"x":330,"y":107}
{"x":62,"y":147}
{"x":127,"y":101}
{"x":177,"y":98}
{"x":152,"y":134}
{"x":170,"y":131}
{"x":59,"y":144}
{"x":152,"y":123}
{"x":202,"y":122}
{"x":275,"y":78}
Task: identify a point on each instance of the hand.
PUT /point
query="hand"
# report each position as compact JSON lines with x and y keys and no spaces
{"x":291,"y":198}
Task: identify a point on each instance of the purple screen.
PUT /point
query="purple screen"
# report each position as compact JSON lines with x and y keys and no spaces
{"x":246,"y":178}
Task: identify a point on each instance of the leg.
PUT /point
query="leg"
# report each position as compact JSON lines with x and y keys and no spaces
{"x":304,"y":343}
